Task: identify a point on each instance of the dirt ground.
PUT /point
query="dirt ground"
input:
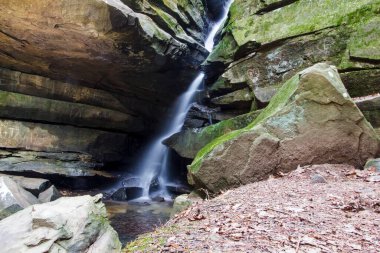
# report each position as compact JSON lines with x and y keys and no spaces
{"x":323,"y":208}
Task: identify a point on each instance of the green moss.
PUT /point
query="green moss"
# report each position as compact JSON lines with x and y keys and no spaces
{"x":224,"y":50}
{"x":301,"y":17}
{"x":277,"y":102}
{"x":150,"y":242}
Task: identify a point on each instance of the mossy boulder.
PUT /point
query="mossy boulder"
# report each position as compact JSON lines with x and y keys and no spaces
{"x":310,"y":120}
{"x":187,"y":143}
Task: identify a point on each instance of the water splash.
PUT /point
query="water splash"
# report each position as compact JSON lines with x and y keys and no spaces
{"x":155,"y":160}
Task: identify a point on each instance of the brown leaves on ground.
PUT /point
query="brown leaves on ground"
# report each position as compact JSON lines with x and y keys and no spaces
{"x":297,"y":212}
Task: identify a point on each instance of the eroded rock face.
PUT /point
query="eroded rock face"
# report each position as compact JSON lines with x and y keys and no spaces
{"x":105,"y":44}
{"x":311,"y":120}
{"x":266,"y":42}
{"x":92,"y":76}
{"x":77,"y":224}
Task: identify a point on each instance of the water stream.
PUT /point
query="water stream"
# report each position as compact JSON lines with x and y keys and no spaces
{"x":153,"y":165}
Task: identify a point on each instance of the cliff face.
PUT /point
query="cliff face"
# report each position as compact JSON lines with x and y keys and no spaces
{"x":88,"y":76}
{"x":272,"y":40}
{"x":264,"y":43}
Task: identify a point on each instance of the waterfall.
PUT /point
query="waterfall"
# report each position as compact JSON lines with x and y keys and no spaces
{"x":209,"y":44}
{"x":153,"y":164}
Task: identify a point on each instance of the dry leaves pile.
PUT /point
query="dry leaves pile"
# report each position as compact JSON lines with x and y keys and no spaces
{"x":324,"y":208}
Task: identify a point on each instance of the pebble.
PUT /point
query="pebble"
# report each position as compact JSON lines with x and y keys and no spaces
{"x":318,"y":179}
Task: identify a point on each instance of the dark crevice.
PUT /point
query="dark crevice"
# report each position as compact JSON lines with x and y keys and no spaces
{"x":114,"y":131}
{"x":274,"y":6}
{"x":273,"y":44}
{"x":358,"y":69}
{"x":14,"y":38}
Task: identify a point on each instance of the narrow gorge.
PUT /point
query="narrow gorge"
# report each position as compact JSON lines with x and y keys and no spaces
{"x":189,"y":126}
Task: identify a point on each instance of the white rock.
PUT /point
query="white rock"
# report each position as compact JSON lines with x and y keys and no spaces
{"x":74,"y":225}
{"x":13,"y":197}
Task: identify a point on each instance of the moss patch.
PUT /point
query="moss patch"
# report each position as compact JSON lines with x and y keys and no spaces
{"x":277,"y":102}
{"x":150,"y":241}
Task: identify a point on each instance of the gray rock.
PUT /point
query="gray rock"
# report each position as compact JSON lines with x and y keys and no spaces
{"x":13,"y":197}
{"x":370,"y":106}
{"x":311,"y":120}
{"x":317,"y":179}
{"x":77,"y":224}
{"x":120,"y":195}
{"x":48,"y":195}
{"x":182,"y":202}
{"x":373,"y":163}
{"x":32,"y":185}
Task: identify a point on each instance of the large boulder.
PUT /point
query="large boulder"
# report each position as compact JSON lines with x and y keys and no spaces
{"x":77,"y":224}
{"x":13,"y":197}
{"x":311,"y":120}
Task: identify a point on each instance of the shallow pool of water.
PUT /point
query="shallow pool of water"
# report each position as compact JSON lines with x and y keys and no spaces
{"x":133,"y":219}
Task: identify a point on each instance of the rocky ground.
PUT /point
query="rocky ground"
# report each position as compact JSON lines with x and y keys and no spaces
{"x":323,"y":208}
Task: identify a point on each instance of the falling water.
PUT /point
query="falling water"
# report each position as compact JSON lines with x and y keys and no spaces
{"x":154,"y":162}
{"x":209,"y":44}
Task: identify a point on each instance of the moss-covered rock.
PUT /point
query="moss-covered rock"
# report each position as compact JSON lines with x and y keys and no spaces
{"x":236,"y":99}
{"x":266,"y":42}
{"x":310,"y":120}
{"x":188,"y":142}
{"x":298,"y":18}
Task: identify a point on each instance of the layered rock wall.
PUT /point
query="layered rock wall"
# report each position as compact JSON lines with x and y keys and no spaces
{"x":264,"y":43}
{"x":91,"y":77}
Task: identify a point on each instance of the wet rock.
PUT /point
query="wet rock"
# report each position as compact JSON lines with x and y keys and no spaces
{"x":13,"y":197}
{"x":120,"y":195}
{"x":54,"y":226}
{"x":158,"y":199}
{"x":178,"y":189}
{"x":131,"y":182}
{"x":312,"y":103}
{"x":134,"y":192}
{"x":127,"y":193}
{"x":48,"y":195}
{"x":154,"y":185}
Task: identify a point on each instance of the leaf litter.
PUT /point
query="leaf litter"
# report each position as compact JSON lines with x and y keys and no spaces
{"x":320,"y":208}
